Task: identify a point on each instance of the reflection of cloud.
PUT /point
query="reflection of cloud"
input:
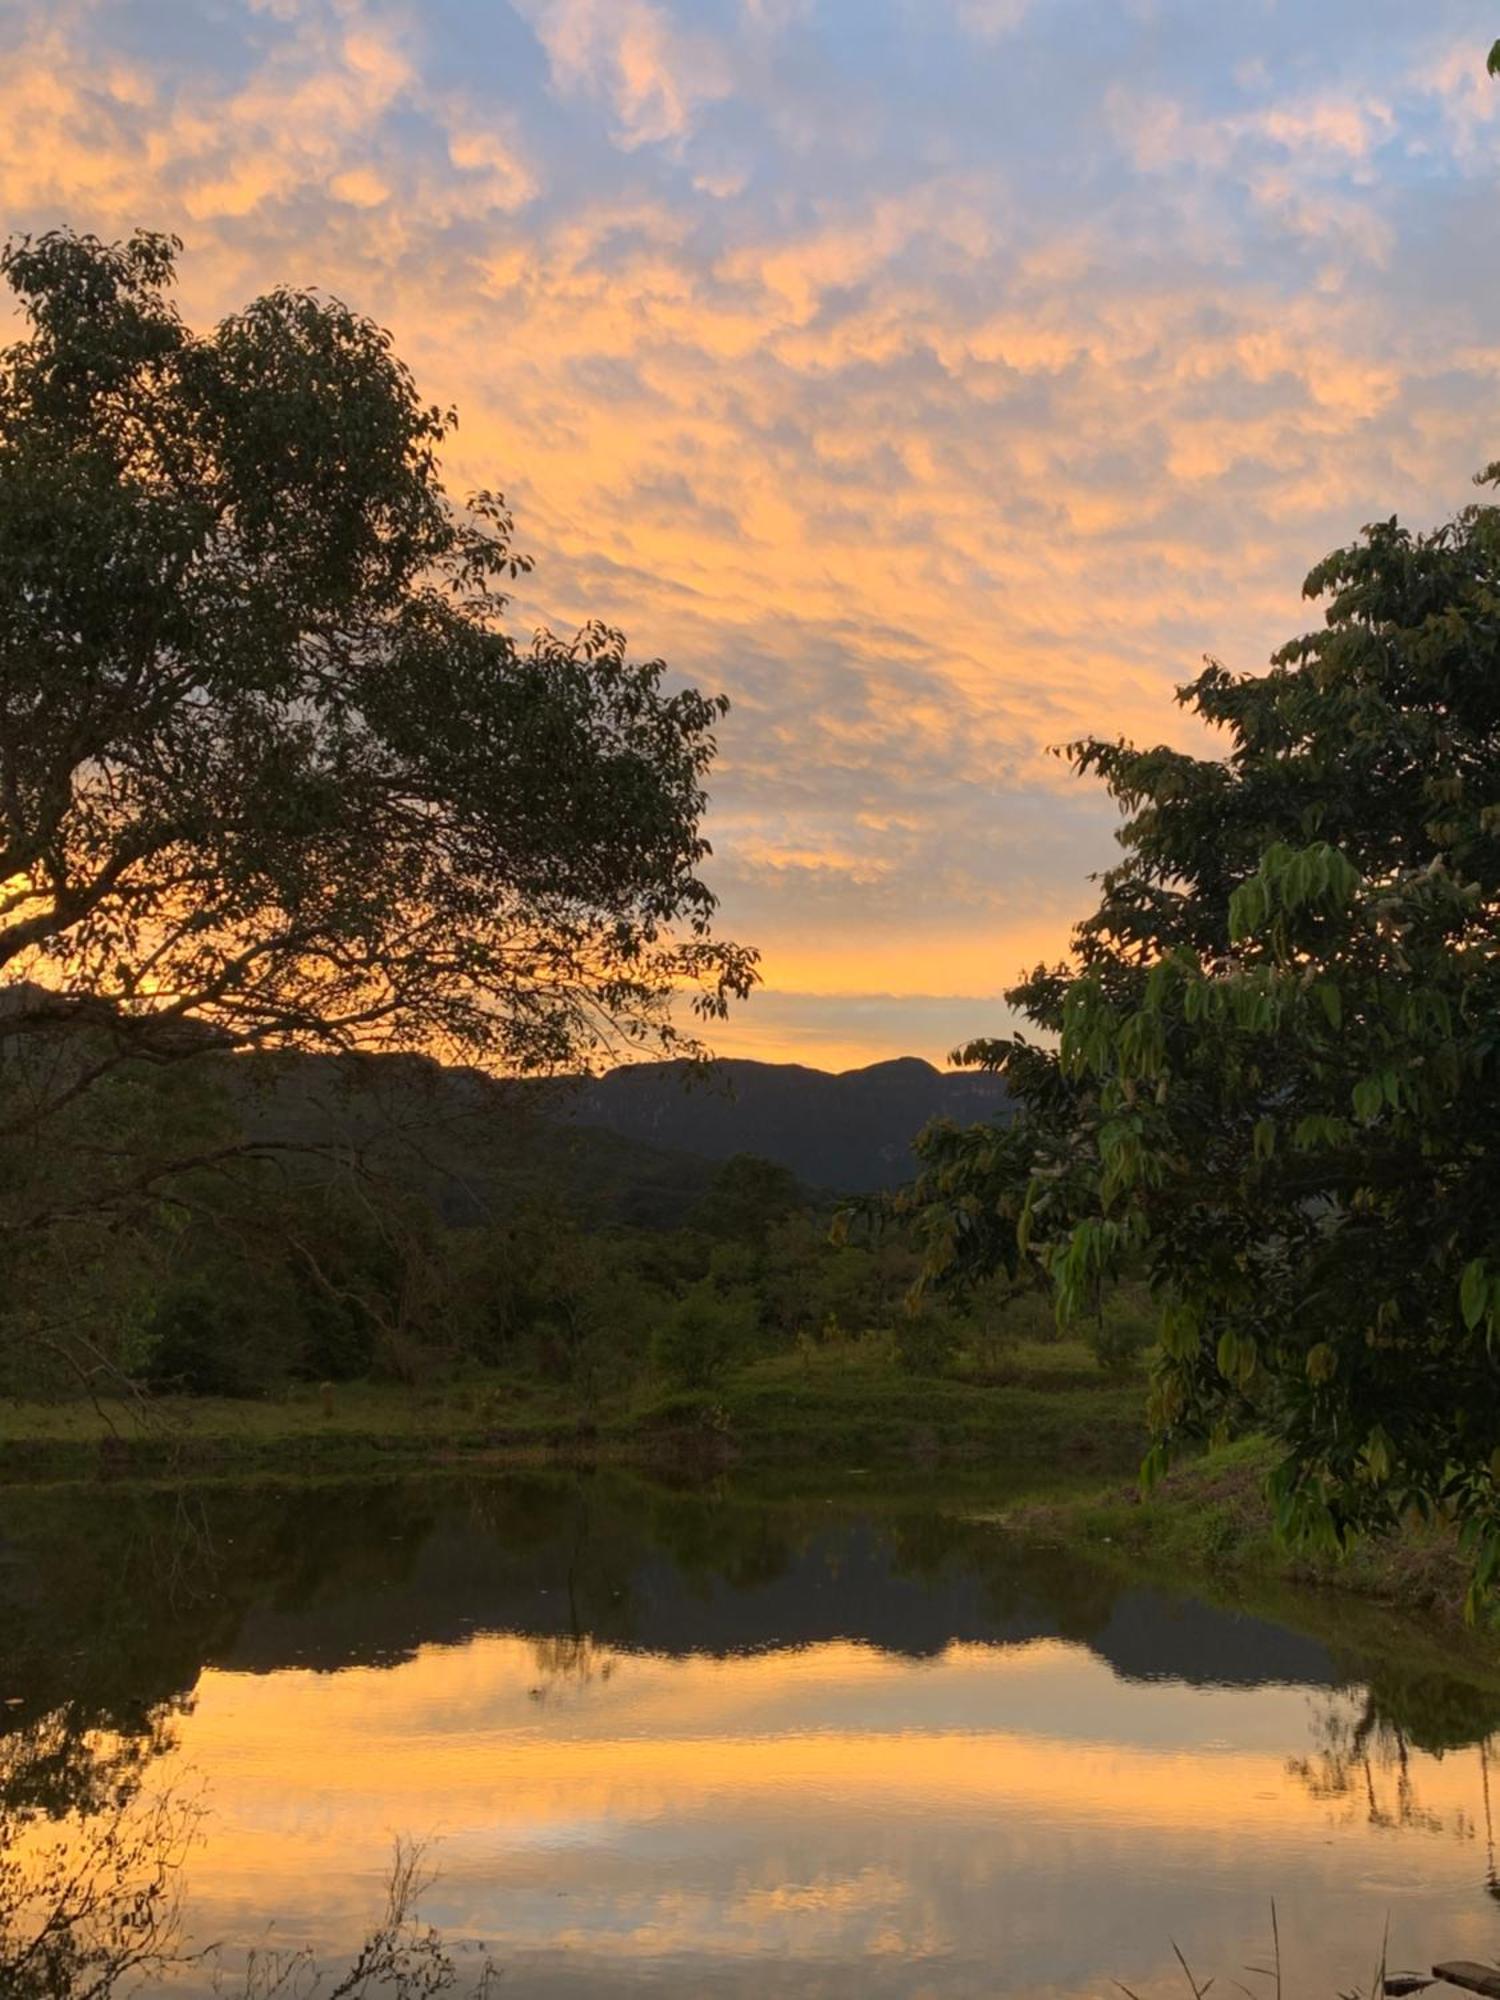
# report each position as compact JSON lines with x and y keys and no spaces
{"x":941,"y":389}
{"x":791,"y":1816}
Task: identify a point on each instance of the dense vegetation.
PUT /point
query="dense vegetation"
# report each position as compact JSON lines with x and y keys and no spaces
{"x":274,"y":777}
{"x":1273,"y":1078}
{"x":273,"y":1263}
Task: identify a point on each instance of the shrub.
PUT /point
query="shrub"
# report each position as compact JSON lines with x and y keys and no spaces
{"x":203,"y":1338}
{"x":703,"y":1335}
{"x":926,"y":1341}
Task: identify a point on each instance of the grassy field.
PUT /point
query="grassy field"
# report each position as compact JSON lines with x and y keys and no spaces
{"x":1039,"y":1405}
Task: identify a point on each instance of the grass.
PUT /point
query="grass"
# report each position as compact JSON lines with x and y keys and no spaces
{"x":1210,"y":1519}
{"x":843,"y":1405}
{"x":1027,"y":1416}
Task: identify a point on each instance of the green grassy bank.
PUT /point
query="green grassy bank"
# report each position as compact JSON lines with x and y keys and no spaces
{"x":1210,"y":1520}
{"x":1044,"y":1425}
{"x":1047,"y":1408}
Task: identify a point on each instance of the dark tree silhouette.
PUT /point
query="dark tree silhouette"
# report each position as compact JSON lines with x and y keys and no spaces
{"x":269,"y":765}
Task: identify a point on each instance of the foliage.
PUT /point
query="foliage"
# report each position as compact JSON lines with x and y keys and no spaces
{"x":271,"y":772}
{"x":746,"y":1198}
{"x":926,"y":1340}
{"x":704,"y":1335}
{"x":201,"y":1341}
{"x":99,"y":1908}
{"x":1275,"y":1086}
{"x":83,"y":1915}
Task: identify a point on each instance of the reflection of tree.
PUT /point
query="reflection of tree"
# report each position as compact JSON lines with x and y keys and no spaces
{"x":95,"y":1908}
{"x":84,"y":1908}
{"x":59,"y":1762}
{"x":1491,"y":1883}
{"x":571,"y":1659}
{"x":1363,"y":1757}
{"x":112,"y":1602}
{"x":714,"y":1537}
{"x":1076,"y":1596}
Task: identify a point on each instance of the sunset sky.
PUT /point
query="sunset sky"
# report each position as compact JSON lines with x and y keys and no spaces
{"x":938,"y":378}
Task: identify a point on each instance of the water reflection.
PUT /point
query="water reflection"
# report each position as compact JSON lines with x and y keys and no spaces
{"x":703,"y":1742}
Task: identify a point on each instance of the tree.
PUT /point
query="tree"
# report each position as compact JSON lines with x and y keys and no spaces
{"x":1276,"y":1075}
{"x":745,"y":1198}
{"x":271,"y":772}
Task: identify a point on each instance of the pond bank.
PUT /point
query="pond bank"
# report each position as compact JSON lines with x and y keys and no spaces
{"x":1210,"y":1519}
{"x":1050,"y":1410}
{"x":1063,"y":1438}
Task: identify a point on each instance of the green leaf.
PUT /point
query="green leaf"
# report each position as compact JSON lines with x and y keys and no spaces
{"x":1378,"y":1455}
{"x":1494,"y":60}
{"x":1322,"y":1362}
{"x":1474,"y":1292}
{"x":1153,"y":1469}
{"x":1369,"y":1099}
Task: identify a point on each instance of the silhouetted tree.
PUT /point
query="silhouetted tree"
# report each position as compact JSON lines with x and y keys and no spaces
{"x":271,"y":771}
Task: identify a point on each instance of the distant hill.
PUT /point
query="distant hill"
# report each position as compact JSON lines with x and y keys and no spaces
{"x":473,"y":1146}
{"x":851,"y":1132}
{"x":628,"y":1146}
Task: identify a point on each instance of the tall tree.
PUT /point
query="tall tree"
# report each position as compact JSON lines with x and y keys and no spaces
{"x":270,"y":766}
{"x":1271,"y":1070}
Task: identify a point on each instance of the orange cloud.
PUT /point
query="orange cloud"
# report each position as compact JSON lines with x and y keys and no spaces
{"x":934,"y":438}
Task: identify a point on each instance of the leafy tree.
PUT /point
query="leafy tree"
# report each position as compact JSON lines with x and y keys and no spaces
{"x":926,"y":1339}
{"x":1276,"y":1078}
{"x":746,"y":1198}
{"x":270,"y":768}
{"x":704,"y":1335}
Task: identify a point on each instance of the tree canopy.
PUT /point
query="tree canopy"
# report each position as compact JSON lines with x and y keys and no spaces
{"x":1270,"y":1072}
{"x":270,"y":766}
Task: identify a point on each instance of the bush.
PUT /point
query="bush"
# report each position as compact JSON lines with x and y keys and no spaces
{"x":703,"y":1336}
{"x":203,"y":1338}
{"x":926,"y":1341}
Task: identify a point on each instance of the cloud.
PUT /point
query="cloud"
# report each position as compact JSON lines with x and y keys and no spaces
{"x":941,"y":395}
{"x":315,"y":117}
{"x":989,"y":19}
{"x":655,"y":74}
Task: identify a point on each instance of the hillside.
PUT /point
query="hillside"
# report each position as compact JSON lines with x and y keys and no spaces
{"x":851,"y":1132}
{"x":628,"y":1146}
{"x":625,"y":1147}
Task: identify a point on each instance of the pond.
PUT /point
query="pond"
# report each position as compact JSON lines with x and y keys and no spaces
{"x":713,"y":1743}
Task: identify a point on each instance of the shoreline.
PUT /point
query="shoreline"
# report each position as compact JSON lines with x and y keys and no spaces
{"x":1209,"y":1520}
{"x":1062,"y":1443}
{"x":834,"y":1412}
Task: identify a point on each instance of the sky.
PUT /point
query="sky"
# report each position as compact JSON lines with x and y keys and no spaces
{"x":940,"y":379}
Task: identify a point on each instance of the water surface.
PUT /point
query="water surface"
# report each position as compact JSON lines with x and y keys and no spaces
{"x":699,"y":1744}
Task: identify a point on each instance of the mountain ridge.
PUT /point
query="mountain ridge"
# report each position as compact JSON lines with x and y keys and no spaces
{"x":846,"y":1130}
